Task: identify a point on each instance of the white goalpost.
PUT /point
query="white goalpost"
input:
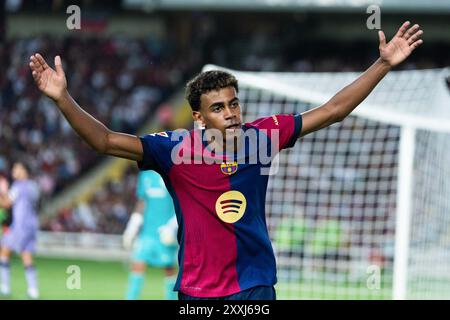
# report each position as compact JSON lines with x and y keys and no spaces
{"x":361,"y":209}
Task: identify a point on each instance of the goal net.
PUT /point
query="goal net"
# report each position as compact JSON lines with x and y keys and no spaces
{"x":361,"y":209}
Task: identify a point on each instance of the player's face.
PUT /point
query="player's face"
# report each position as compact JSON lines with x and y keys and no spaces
{"x":18,"y":171}
{"x":220,"y":109}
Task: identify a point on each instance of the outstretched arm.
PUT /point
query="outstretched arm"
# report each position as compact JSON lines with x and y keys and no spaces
{"x":5,"y":200}
{"x":98,"y":136}
{"x":346,"y":100}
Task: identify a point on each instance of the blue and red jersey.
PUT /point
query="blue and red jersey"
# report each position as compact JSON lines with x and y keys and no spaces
{"x":220,"y":205}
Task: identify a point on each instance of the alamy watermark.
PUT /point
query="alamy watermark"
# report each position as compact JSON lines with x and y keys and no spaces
{"x":374,"y":279}
{"x":238,"y":146}
{"x":73,"y":22}
{"x":73,"y":281}
{"x":373,"y":22}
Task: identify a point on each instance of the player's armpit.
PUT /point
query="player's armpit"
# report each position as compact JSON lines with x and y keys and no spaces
{"x":318,"y":118}
{"x":124,"y":146}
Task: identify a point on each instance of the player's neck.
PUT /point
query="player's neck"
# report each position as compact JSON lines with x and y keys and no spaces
{"x":226,"y":146}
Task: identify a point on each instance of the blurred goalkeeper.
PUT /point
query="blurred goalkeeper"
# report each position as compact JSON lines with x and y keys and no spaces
{"x":225,"y":249}
{"x":154,"y":225}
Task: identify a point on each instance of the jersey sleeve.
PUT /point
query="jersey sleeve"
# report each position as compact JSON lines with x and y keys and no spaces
{"x":157,"y":149}
{"x":288,"y":128}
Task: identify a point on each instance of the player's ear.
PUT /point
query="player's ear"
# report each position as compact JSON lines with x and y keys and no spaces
{"x":198,"y":119}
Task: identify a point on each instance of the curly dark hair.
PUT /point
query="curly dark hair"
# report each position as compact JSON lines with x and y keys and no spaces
{"x":206,"y":82}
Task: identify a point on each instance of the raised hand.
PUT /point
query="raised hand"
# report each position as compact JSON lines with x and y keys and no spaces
{"x":401,"y":45}
{"x":52,"y":83}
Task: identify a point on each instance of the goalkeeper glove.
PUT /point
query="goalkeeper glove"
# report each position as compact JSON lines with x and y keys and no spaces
{"x":132,"y":229}
{"x":168,"y":232}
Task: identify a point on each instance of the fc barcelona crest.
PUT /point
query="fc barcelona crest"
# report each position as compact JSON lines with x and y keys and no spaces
{"x":229,"y":168}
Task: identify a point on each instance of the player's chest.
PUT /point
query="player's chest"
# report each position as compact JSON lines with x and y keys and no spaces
{"x":216,"y":176}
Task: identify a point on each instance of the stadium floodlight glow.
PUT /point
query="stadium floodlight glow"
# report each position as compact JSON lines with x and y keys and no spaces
{"x":371,"y":191}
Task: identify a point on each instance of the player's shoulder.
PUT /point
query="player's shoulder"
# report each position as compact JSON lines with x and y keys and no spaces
{"x":157,"y":136}
{"x":169,"y":138}
{"x":32,"y":184}
{"x":269,"y":122}
{"x":164,"y":135}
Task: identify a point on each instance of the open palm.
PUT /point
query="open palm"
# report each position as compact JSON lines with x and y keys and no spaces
{"x":401,"y":45}
{"x":52,"y":83}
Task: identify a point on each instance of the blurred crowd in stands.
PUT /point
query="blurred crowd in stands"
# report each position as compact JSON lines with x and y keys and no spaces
{"x":121,"y":81}
{"x":107,"y":212}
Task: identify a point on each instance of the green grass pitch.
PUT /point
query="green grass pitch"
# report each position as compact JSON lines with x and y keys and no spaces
{"x":100,"y":280}
{"x":107,"y":280}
